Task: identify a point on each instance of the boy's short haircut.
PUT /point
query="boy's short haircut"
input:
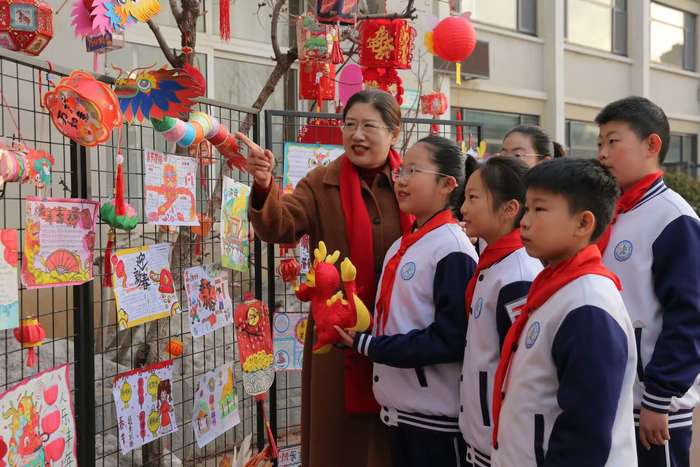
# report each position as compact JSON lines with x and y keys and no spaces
{"x":643,"y":117}
{"x":586,"y":185}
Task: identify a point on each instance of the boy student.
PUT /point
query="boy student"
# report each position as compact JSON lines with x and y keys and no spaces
{"x":563,"y":386}
{"x":653,"y":245}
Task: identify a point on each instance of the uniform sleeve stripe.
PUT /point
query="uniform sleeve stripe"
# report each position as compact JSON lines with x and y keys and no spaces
{"x":654,"y":398}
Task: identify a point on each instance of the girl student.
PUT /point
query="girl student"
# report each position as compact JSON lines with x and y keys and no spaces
{"x":531,"y":144}
{"x":417,"y":341}
{"x":493,"y":205}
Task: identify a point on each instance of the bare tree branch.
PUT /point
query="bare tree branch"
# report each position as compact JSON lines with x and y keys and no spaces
{"x":273,"y":34}
{"x":177,"y":12}
{"x":167,"y":51}
{"x":408,"y":13}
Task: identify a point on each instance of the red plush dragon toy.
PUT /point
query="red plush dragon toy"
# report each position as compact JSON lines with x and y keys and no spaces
{"x":329,"y":306}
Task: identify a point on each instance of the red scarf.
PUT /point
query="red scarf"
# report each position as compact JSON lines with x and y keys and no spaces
{"x":384,"y":300}
{"x":358,"y":229}
{"x":547,"y":282}
{"x":501,"y":248}
{"x":627,"y":201}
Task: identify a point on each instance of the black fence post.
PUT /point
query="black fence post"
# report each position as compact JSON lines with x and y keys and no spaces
{"x":83,"y":329}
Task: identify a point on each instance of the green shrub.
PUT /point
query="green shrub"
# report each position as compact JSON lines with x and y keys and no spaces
{"x":686,"y":186}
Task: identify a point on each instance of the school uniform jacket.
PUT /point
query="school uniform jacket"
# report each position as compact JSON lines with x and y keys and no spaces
{"x":568,"y":393}
{"x":499,"y":290}
{"x":654,"y":249}
{"x":417,"y":361}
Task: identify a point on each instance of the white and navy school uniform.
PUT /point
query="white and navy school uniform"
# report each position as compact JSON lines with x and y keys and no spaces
{"x":654,"y":249}
{"x":499,"y":290}
{"x":417,"y":361}
{"x":568,"y":393}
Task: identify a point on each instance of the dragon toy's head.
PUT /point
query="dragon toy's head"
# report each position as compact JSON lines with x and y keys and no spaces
{"x":324,"y":276}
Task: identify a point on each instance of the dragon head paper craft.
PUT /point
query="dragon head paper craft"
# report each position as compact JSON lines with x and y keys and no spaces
{"x":329,"y":306}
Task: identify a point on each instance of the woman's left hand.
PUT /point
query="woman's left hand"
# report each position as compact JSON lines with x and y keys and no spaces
{"x":346,"y":337}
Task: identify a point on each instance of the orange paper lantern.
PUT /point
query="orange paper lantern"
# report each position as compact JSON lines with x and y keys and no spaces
{"x":31,"y":335}
{"x":174,"y":348}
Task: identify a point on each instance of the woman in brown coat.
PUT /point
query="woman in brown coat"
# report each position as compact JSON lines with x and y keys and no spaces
{"x":350,"y":205}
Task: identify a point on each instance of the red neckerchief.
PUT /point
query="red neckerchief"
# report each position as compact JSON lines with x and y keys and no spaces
{"x":384,"y":300}
{"x":501,"y":248}
{"x":627,"y":201}
{"x":357,"y":369}
{"x":550,"y":280}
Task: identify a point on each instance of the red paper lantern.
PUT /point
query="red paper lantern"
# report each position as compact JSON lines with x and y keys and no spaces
{"x":83,"y":109}
{"x":25,"y":25}
{"x":386,"y":79}
{"x":434,"y":104}
{"x":386,"y":43}
{"x":31,"y":335}
{"x":289,"y":270}
{"x":454,"y":39}
{"x":317,"y":81}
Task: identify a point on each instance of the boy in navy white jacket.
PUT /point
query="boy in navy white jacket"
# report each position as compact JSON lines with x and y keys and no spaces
{"x":654,"y":248}
{"x":563,"y":386}
{"x":417,"y":342}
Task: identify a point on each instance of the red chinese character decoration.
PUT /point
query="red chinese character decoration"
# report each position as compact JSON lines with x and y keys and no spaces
{"x":385,"y":46}
{"x":83,"y":109}
{"x":25,"y":25}
{"x":453,"y":39}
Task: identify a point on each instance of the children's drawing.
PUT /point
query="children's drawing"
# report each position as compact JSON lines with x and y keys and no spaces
{"x":235,"y":244}
{"x":288,"y":340}
{"x":143,"y":284}
{"x":300,"y":159}
{"x":215,"y":405}
{"x":169,"y":185}
{"x":143,"y":398}
{"x":59,"y":235}
{"x":209,"y":302}
{"x":255,"y":345}
{"x":37,"y":425}
{"x":9,"y":295}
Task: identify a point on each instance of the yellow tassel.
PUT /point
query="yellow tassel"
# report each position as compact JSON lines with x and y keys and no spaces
{"x":459,"y":73}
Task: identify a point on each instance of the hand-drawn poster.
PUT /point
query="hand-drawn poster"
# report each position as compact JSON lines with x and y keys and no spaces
{"x":215,"y":405}
{"x":289,"y":330}
{"x":235,"y":244}
{"x":289,"y":457}
{"x":300,"y":159}
{"x":9,"y":295}
{"x":37,"y":424}
{"x":208,"y":300}
{"x":304,"y":254}
{"x":144,"y":402}
{"x":143,"y":284}
{"x":169,"y":189}
{"x":254,"y":339}
{"x":59,"y":235}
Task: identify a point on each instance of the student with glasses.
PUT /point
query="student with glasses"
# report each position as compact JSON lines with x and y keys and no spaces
{"x":530,"y":144}
{"x":350,"y":205}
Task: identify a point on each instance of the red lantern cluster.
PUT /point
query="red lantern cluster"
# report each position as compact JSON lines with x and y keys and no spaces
{"x":25,"y":25}
{"x":385,"y":46}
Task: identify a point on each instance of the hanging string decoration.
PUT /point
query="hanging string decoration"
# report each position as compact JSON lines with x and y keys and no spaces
{"x":453,"y":39}
{"x":83,"y":109}
{"x":386,"y":45}
{"x":319,"y":52}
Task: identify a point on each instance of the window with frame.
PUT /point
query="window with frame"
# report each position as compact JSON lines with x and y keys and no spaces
{"x":599,"y":24}
{"x":682,"y":155}
{"x":582,"y":139}
{"x":673,"y":37}
{"x":518,"y":15}
{"x":494,"y":125}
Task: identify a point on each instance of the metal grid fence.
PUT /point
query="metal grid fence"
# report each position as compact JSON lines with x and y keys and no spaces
{"x":80,"y":321}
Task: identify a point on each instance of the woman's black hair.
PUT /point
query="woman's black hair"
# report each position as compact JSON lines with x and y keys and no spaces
{"x":504,"y":177}
{"x":541,"y":141}
{"x":382,"y":101}
{"x":448,"y":158}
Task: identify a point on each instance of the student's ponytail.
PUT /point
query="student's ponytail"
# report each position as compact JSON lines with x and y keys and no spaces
{"x":559,"y":150}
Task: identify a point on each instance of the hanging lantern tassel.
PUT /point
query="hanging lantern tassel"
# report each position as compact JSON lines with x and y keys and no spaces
{"x":107,"y":277}
{"x":337,"y":53}
{"x":225,"y":19}
{"x":119,"y":205}
{"x":458,"y":70}
{"x":31,"y":335}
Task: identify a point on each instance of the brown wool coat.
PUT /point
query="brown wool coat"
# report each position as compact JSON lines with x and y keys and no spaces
{"x":330,"y":436}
